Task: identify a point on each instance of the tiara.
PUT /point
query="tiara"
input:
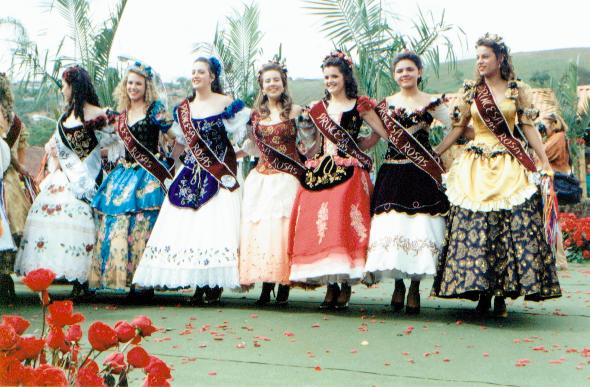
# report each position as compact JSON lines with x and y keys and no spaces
{"x":496,"y":39}
{"x":340,"y":55}
{"x":142,"y":69}
{"x":275,"y":62}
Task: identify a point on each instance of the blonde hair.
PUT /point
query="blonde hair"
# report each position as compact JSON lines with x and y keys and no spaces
{"x":120,"y":93}
{"x":560,"y":125}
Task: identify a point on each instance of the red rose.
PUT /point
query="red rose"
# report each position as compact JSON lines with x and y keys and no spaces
{"x":74,"y":333}
{"x":567,"y":242}
{"x":138,"y":357}
{"x":116,"y":362}
{"x":47,"y":375}
{"x":57,"y":340}
{"x":39,"y":279}
{"x":91,"y":364}
{"x":87,"y":377}
{"x":125,"y":331}
{"x":158,"y":369}
{"x":586,"y":254}
{"x":8,"y":337}
{"x":61,"y":314}
{"x":144,"y":324}
{"x":28,"y":348}
{"x":101,"y":336}
{"x":154,"y":381}
{"x":27,"y":376}
{"x":11,"y":371}
{"x":18,"y":323}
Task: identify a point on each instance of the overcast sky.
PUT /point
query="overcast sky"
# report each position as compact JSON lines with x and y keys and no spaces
{"x":162,"y":33}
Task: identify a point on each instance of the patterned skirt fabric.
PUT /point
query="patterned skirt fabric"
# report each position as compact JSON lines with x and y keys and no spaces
{"x":330,"y":232}
{"x":128,"y":202}
{"x":194,"y":247}
{"x":266,"y":212}
{"x":7,"y":245}
{"x":503,"y":253}
{"x":14,"y":193}
{"x":59,"y":234}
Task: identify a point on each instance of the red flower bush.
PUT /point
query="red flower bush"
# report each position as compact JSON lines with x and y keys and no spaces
{"x":17,"y":353}
{"x":576,"y":236}
{"x":39,"y":280}
{"x":138,"y":357}
{"x":61,"y":313}
{"x":18,"y":323}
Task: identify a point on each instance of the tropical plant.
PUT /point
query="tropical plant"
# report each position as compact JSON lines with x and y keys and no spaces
{"x":237,"y":45}
{"x":577,"y":121}
{"x":363,"y":29}
{"x":90,"y":42}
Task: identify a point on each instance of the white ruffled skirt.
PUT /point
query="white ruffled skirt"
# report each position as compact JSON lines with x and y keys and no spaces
{"x":59,"y":234}
{"x":194,"y":247}
{"x":404,"y":246}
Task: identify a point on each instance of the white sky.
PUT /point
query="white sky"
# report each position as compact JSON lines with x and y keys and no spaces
{"x":162,"y":33}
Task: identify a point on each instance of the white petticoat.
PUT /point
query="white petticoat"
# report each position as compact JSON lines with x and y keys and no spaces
{"x":194,"y":247}
{"x":404,"y":246}
{"x":59,"y":234}
{"x":266,"y":210}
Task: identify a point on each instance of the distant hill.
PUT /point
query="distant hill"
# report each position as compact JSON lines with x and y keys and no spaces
{"x":545,"y":66}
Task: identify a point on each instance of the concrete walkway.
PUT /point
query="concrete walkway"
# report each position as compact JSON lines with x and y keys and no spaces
{"x":446,"y":345}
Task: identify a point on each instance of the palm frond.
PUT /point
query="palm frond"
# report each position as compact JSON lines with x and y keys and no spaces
{"x":103,"y":41}
{"x":77,"y":16}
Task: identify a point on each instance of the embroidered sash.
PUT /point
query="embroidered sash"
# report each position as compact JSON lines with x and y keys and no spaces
{"x":338,"y":135}
{"x":80,"y":140}
{"x":224,"y":170}
{"x":273,"y":156}
{"x":408,"y":145}
{"x":141,"y":154}
{"x":14,"y":131}
{"x":495,"y":121}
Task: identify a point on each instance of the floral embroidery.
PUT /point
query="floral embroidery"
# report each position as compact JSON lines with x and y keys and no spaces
{"x":322,"y":221}
{"x":365,"y":183}
{"x":408,"y":246}
{"x":356,"y":221}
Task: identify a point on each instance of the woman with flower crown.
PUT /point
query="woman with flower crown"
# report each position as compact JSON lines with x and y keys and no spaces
{"x":409,"y":204}
{"x":14,"y":133}
{"x":129,"y":199}
{"x":195,"y":240}
{"x":270,"y":188}
{"x":60,"y":232}
{"x":495,"y":243}
{"x":331,"y":215}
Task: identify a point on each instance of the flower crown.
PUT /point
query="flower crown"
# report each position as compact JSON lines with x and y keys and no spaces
{"x":340,"y":55}
{"x":71,"y":72}
{"x":497,"y":40}
{"x":142,"y":69}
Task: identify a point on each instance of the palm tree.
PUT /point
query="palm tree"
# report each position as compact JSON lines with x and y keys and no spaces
{"x":238,"y":47}
{"x":363,"y":29}
{"x":92,"y":42}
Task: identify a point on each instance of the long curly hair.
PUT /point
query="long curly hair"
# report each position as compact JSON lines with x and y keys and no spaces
{"x":6,"y":98}
{"x":345,"y":68}
{"x":408,"y":55}
{"x":122,"y":98}
{"x":214,"y":72}
{"x":501,"y":50}
{"x":82,"y":91}
{"x":261,"y":104}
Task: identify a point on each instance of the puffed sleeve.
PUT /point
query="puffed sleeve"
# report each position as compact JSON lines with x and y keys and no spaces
{"x":307,"y":135}
{"x":526,"y":111}
{"x":175,"y":129}
{"x":159,"y":116}
{"x":250,"y":148}
{"x":235,"y":119}
{"x":441,"y":113}
{"x":108,"y":138}
{"x":4,"y":156}
{"x":460,"y":111}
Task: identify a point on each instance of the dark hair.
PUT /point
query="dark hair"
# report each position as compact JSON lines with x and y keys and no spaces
{"x":82,"y":91}
{"x":408,"y":55}
{"x":350,"y":86}
{"x":496,"y":43}
{"x":261,"y":104}
{"x":215,"y":72}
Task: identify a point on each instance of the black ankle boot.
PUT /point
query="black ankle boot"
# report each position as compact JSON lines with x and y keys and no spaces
{"x":332,"y":294}
{"x":264,"y":299}
{"x":283,"y":295}
{"x":7,"y":293}
{"x":197,"y":298}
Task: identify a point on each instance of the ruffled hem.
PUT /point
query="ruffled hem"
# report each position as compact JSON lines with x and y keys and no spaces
{"x":459,"y":199}
{"x":334,"y":267}
{"x":174,"y":278}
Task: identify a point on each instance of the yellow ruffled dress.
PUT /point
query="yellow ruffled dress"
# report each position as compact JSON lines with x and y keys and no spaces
{"x":494,"y":242}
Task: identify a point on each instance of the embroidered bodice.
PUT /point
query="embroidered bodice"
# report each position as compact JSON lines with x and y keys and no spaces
{"x":147,"y":130}
{"x":282,"y":137}
{"x":82,"y":138}
{"x":350,"y":121}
